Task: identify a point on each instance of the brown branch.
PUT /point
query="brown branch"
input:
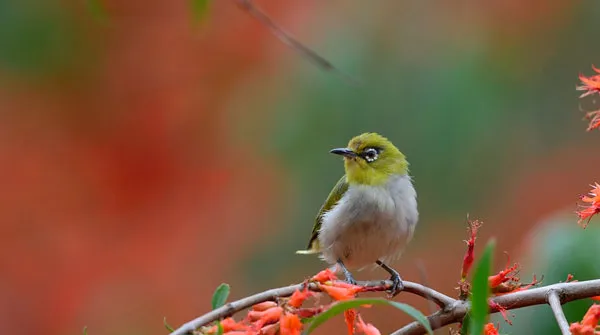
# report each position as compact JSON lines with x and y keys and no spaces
{"x":456,"y":312}
{"x":554,"y":302}
{"x":231,"y":308}
{"x":288,"y":39}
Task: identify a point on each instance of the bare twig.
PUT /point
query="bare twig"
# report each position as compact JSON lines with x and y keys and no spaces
{"x":285,"y":37}
{"x":537,"y":296}
{"x":231,"y":308}
{"x":554,"y":302}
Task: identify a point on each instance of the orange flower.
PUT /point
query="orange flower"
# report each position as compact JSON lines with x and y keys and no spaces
{"x":341,"y":293}
{"x":290,"y":324}
{"x":366,"y":328}
{"x":266,"y":317}
{"x":513,"y":287}
{"x":490,"y":329}
{"x":229,"y":324}
{"x":350,"y":318}
{"x":263,"y":306}
{"x":508,"y":274}
{"x":594,"y":118}
{"x":590,"y":85}
{"x":323,"y":276}
{"x":310,"y":312}
{"x":588,"y":324}
{"x":468,"y":259}
{"x":593,"y":208}
{"x":298,"y":297}
{"x":269,"y":330}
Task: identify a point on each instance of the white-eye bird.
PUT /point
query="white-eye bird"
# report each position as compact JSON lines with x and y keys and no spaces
{"x":371,"y":213}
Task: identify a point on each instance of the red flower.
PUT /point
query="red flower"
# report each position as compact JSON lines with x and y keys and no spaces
{"x":266,"y":317}
{"x":350,"y":318}
{"x":310,"y":312}
{"x":263,"y":306}
{"x":588,"y":324}
{"x":508,"y":274}
{"x":513,"y":286}
{"x":324,"y":276}
{"x":590,"y":85}
{"x":342,"y":292}
{"x":229,"y":324}
{"x":366,"y":328}
{"x":268,"y":330}
{"x":501,"y":309}
{"x":468,"y":259}
{"x":490,"y":329}
{"x":593,"y":208}
{"x":290,"y":324}
{"x":298,"y":297}
{"x":594,"y":118}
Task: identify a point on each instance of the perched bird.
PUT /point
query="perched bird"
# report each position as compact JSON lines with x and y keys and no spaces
{"x":371,"y":213}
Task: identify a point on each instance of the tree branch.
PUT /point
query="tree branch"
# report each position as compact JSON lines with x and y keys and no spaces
{"x":537,"y":296}
{"x":555,"y":304}
{"x":286,"y":38}
{"x":231,"y":308}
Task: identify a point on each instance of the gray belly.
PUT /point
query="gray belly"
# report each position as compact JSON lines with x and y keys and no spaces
{"x":370,"y":223}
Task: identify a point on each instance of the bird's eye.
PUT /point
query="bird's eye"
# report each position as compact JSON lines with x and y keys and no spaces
{"x":370,"y":154}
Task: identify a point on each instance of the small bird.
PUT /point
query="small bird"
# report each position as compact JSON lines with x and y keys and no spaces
{"x":371,"y":213}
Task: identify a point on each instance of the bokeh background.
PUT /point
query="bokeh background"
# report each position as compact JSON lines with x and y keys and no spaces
{"x":150,"y":151}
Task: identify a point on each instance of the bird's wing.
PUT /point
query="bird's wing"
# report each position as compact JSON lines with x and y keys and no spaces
{"x":334,"y":196}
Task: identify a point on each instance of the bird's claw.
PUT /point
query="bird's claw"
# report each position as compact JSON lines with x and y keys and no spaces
{"x":397,"y":285}
{"x":350,"y":279}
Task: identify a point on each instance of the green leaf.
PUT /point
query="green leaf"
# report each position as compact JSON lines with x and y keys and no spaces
{"x":480,"y":290}
{"x":97,"y":9}
{"x":220,"y":296}
{"x":169,"y":328}
{"x":84,"y":330}
{"x":341,"y":306}
{"x":464,"y":330}
{"x":199,"y":9}
{"x":220,"y":329}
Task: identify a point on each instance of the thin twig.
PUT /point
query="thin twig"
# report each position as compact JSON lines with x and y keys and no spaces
{"x":231,"y":308}
{"x":536,"y":296}
{"x":285,"y":37}
{"x":559,"y":314}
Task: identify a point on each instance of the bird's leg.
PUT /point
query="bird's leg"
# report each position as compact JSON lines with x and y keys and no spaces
{"x":347,"y":273}
{"x":397,"y":285}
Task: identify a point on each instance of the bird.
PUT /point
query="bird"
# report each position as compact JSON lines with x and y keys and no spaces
{"x":370,"y":214}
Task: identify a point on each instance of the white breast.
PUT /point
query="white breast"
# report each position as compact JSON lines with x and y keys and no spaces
{"x":370,"y":223}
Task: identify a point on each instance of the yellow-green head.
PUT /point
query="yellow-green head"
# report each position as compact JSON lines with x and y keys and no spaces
{"x":370,"y":159}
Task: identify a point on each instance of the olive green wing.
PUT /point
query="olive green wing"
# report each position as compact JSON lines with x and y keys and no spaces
{"x":334,"y":196}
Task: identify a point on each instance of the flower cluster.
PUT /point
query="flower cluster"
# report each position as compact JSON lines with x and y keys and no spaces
{"x":490,"y":329}
{"x":592,"y":206}
{"x":286,"y":316}
{"x":588,"y":324}
{"x":503,"y":282}
{"x":591,"y":86}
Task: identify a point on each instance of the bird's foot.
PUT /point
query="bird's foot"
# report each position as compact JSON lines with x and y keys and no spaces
{"x":397,"y":285}
{"x":349,"y":278}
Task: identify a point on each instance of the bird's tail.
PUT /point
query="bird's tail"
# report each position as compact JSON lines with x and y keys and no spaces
{"x":307,"y":252}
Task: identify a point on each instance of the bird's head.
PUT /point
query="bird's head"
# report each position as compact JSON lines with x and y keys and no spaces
{"x":371,"y":159}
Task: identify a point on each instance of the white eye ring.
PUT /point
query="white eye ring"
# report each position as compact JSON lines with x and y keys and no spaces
{"x":370,"y":155}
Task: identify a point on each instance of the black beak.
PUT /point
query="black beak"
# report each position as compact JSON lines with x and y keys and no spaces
{"x":344,"y":152}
